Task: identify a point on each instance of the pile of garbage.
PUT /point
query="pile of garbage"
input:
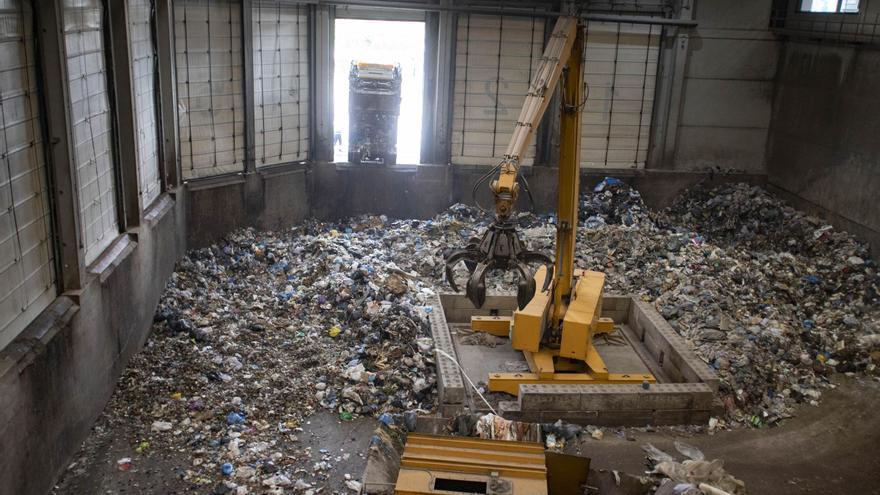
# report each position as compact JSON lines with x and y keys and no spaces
{"x":612,"y":202}
{"x":746,"y":216}
{"x":255,"y":333}
{"x":774,"y":307}
{"x":259,"y":331}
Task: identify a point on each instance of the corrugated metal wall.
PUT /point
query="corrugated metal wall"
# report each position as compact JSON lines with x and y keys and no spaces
{"x":620,"y":69}
{"x":91,"y":120}
{"x":27,"y":275}
{"x":495,"y":59}
{"x":281,"y":83}
{"x":209,"y":87}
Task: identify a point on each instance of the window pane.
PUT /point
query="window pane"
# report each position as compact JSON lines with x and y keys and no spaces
{"x":281,"y":84}
{"x":90,"y":119}
{"x":849,"y":6}
{"x":819,"y":5}
{"x":209,"y":87}
{"x":620,"y":72}
{"x":143,"y":66}
{"x":27,"y":275}
{"x":496,"y":57}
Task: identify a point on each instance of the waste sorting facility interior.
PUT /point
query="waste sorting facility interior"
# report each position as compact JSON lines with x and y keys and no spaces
{"x":134,"y":131}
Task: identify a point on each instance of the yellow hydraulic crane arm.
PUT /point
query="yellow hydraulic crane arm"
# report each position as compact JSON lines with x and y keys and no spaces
{"x":500,"y":247}
{"x":505,"y":188}
{"x":553,"y":329}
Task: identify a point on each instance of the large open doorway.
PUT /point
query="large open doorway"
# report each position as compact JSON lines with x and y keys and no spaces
{"x":380,"y":42}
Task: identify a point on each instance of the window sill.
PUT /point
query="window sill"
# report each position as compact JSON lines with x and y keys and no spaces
{"x":214,"y":181}
{"x":157,"y":211}
{"x":282,"y":168}
{"x":32,"y":342}
{"x":823,"y":14}
{"x":113,"y":256}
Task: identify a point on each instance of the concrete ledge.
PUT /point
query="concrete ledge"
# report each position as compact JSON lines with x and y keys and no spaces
{"x":450,"y":386}
{"x":632,"y":417}
{"x":673,"y":396}
{"x":201,"y":183}
{"x":22,"y":351}
{"x":113,"y":256}
{"x":667,"y":348}
{"x":156,"y":211}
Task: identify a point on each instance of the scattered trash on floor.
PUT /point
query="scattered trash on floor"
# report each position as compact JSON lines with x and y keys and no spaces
{"x":494,"y":427}
{"x":692,"y":476}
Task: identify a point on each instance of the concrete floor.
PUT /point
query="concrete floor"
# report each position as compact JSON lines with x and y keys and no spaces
{"x":94,"y":470}
{"x":479,"y":361}
{"x":827,"y":449}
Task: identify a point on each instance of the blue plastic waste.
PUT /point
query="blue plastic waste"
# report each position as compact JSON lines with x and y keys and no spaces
{"x":607,"y":181}
{"x":234,"y":418}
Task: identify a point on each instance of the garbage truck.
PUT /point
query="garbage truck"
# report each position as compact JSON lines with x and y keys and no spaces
{"x":373,"y":109}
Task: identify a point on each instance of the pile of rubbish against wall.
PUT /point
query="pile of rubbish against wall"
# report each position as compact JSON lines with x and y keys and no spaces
{"x":257,"y":332}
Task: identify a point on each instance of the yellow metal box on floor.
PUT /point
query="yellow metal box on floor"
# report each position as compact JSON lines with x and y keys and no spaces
{"x":433,"y":464}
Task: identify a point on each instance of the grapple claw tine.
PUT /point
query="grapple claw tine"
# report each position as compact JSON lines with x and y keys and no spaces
{"x":450,"y":278}
{"x":549,"y":277}
{"x":470,"y":265}
{"x":536,"y":257}
{"x":526,"y":285}
{"x":453,"y":259}
{"x":476,"y":286}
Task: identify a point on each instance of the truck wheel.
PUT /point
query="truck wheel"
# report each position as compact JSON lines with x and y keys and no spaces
{"x":354,"y":157}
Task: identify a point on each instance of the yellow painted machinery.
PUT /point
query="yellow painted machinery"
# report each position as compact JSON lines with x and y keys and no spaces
{"x":441,"y":464}
{"x":554,"y":325}
{"x":433,"y":464}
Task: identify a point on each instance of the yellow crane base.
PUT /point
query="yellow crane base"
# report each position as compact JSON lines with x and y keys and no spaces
{"x":498,"y":326}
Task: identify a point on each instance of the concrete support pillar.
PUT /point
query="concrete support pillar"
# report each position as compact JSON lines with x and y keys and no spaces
{"x":446,"y":37}
{"x":674,"y":49}
{"x":247,"y":61}
{"x":167,"y":95}
{"x":124,"y":113}
{"x":321,"y":43}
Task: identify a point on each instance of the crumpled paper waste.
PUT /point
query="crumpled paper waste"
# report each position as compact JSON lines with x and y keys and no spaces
{"x":694,"y":475}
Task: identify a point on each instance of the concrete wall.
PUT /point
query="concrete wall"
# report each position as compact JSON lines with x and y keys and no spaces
{"x":824,"y":151}
{"x":728,"y":85}
{"x":330,"y":191}
{"x":56,"y":377}
{"x":270,"y":199}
